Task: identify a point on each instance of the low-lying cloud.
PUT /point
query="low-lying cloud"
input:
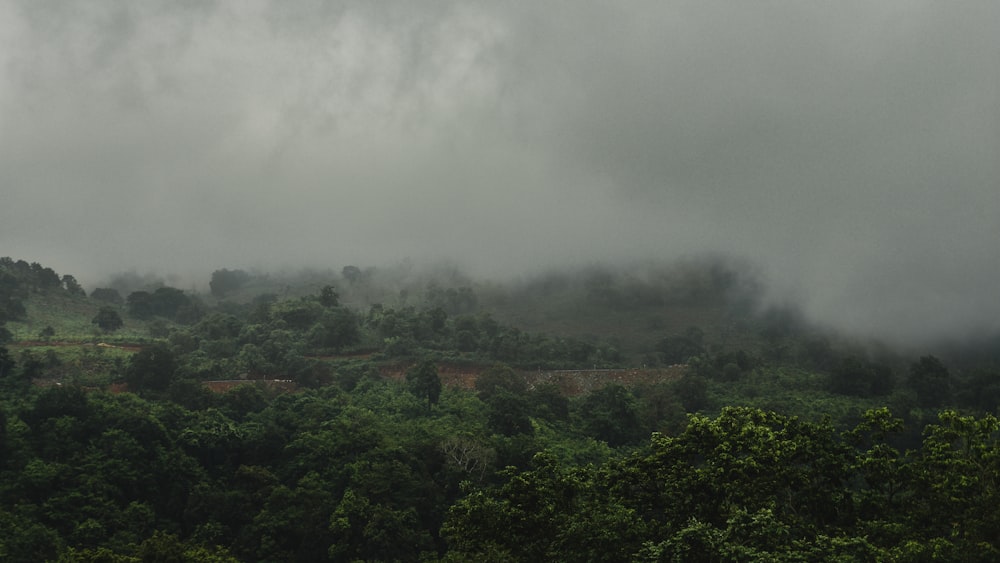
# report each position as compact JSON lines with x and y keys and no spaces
{"x":850,"y":150}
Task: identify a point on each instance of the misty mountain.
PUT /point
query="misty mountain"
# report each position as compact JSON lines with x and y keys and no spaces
{"x":847,"y":152}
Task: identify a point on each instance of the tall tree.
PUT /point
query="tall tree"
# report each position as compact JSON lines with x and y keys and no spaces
{"x":140,"y":305}
{"x":7,"y":364}
{"x":611,"y":414}
{"x":152,"y":368}
{"x":107,"y":294}
{"x":328,"y":296}
{"x":424,"y":382}
{"x":351,"y":273}
{"x":108,"y":319}
{"x":225,"y":281}
{"x":72,"y":286}
{"x":930,"y":379}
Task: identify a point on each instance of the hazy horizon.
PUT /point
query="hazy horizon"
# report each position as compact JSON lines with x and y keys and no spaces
{"x":848,"y":151}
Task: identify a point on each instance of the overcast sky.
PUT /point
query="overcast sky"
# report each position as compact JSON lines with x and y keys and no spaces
{"x":850,"y":149}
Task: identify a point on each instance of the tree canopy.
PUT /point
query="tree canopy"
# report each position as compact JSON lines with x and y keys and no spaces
{"x":424,"y":382}
{"x":108,"y":319}
{"x":303,"y":427}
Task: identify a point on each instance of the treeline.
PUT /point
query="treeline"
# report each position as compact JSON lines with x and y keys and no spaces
{"x":380,"y":473}
{"x":300,"y":338}
{"x":363,"y":470}
{"x":270,"y":336}
{"x":18,"y":279}
{"x":358,"y":466}
{"x":750,"y":485}
{"x":293,"y":338}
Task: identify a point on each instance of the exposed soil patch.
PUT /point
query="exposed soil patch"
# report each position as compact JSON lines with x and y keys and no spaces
{"x":365,"y":356}
{"x":221,"y":386}
{"x":570,"y":382}
{"x":580,"y":382}
{"x":72,"y":344}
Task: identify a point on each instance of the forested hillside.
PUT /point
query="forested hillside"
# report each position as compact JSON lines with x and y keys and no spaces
{"x":659,"y":414}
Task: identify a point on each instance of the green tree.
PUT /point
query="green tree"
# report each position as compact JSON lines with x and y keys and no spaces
{"x":957,"y":486}
{"x":549,"y":402}
{"x":692,"y":390}
{"x":855,"y":376}
{"x":931,"y":382}
{"x":31,"y":365}
{"x":437,"y":318}
{"x":547,"y":513}
{"x":152,"y":368}
{"x":351,"y":273}
{"x":140,"y":305}
{"x":508,"y":414}
{"x":26,"y":539}
{"x":72,"y":286}
{"x":12,"y":309}
{"x":505,"y":393}
{"x":885,"y":479}
{"x":367,"y":530}
{"x":328,"y":296}
{"x":611,"y":414}
{"x":168,"y":548}
{"x":47,"y":333}
{"x":851,"y":376}
{"x":298,"y":315}
{"x":44,"y":278}
{"x":466,"y":341}
{"x":337,"y":328}
{"x":108,"y":319}
{"x":679,"y":348}
{"x":108,"y":295}
{"x":168,"y":301}
{"x":498,"y":378}
{"x":7,"y":364}
{"x":158,"y":329}
{"x":747,"y":485}
{"x":424,"y":382}
{"x":218,"y":326}
{"x":225,"y":281}
{"x":981,"y":389}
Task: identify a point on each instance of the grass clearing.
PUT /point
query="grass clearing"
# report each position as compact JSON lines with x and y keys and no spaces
{"x":70,"y":318}
{"x":84,"y":364}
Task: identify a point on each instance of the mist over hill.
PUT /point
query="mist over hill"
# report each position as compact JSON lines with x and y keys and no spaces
{"x":408,"y":413}
{"x":848,"y":152}
{"x":633,"y":305}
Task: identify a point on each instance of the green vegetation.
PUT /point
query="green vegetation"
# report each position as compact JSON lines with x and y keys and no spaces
{"x":107,"y":319}
{"x":749,"y":485}
{"x":321,"y":426}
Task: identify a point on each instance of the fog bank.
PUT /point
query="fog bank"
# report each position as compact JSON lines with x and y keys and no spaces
{"x":849,"y":150}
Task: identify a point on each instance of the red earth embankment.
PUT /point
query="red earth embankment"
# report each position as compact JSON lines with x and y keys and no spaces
{"x":570,"y":382}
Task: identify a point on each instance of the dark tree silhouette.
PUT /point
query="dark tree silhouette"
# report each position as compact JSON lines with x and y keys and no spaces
{"x":108,"y":320}
{"x":424,"y":382}
{"x":225,"y":281}
{"x":107,"y":294}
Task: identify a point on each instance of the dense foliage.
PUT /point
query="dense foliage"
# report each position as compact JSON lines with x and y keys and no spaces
{"x":750,"y":485}
{"x":373,"y":474}
{"x":335,"y":437}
